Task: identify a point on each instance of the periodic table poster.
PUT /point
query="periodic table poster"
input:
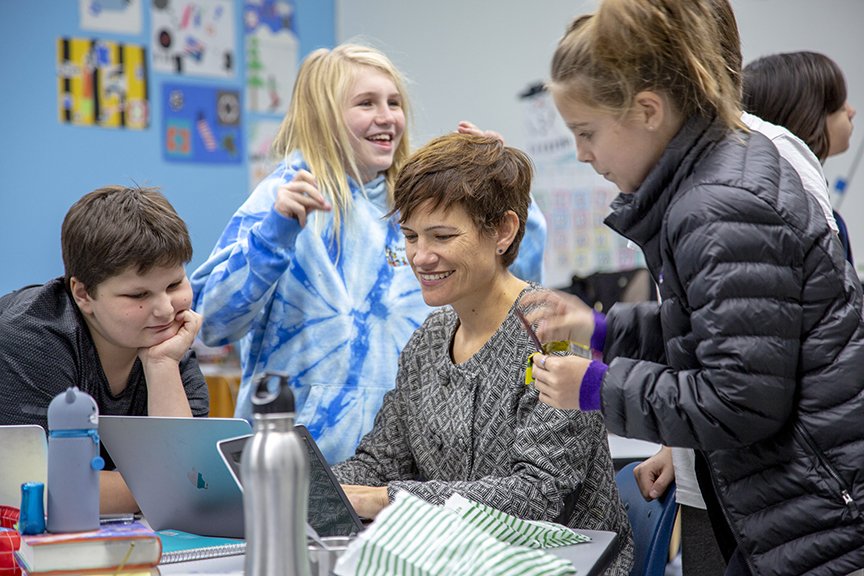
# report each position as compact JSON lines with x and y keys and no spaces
{"x":574,"y":199}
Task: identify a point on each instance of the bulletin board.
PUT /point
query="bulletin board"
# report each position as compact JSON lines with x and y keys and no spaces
{"x":85,"y":102}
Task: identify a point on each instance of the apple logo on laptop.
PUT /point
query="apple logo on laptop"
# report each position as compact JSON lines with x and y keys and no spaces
{"x":197,"y":479}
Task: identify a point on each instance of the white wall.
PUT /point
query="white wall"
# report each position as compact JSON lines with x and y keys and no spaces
{"x":468,"y":59}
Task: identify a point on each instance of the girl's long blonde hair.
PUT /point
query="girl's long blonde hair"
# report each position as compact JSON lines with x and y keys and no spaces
{"x":315,"y":121}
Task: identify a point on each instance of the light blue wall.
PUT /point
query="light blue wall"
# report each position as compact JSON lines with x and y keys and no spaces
{"x":45,"y":166}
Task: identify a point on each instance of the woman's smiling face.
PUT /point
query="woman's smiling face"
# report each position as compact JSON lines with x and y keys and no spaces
{"x":451,"y":258}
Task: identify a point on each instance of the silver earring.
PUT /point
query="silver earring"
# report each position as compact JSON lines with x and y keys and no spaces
{"x":500,"y":251}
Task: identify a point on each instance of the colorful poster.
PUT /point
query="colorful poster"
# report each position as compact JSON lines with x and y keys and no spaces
{"x":574,"y":199}
{"x":102,"y":83}
{"x":201,"y":124}
{"x":194,"y":37}
{"x":262,"y":133}
{"x":119,"y":16}
{"x":271,"y":54}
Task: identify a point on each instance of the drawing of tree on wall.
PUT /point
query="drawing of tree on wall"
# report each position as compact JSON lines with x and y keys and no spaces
{"x":254,"y":68}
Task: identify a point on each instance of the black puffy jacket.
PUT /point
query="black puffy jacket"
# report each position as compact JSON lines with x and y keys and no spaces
{"x":761,"y":360}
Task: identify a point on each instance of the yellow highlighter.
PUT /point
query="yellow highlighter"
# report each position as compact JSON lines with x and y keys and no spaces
{"x":548,"y":348}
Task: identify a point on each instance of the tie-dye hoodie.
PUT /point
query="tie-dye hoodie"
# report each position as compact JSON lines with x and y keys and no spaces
{"x":332,"y":315}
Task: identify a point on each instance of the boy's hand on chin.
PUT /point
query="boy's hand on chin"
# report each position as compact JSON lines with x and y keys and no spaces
{"x":173,"y":348}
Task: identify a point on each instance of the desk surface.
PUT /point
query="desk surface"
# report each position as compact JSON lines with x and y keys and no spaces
{"x":591,"y":557}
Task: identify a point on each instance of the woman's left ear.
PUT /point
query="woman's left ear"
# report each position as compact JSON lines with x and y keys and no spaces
{"x":507,"y":231}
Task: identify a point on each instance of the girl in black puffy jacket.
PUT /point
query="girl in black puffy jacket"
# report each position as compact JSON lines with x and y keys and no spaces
{"x":755,"y":357}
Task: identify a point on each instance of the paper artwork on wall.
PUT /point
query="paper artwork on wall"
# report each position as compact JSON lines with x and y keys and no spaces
{"x":271,"y":54}
{"x":194,"y":37}
{"x":261,"y":158}
{"x":102,"y":83}
{"x":574,"y":199}
{"x":119,"y":16}
{"x":201,"y":124}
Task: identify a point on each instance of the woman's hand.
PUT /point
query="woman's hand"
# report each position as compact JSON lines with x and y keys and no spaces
{"x":559,"y":316}
{"x":654,"y":475}
{"x":299,"y":197}
{"x":558,"y":379}
{"x":367,"y":501}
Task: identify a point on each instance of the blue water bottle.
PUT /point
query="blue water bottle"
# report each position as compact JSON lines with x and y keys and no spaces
{"x":73,"y":462}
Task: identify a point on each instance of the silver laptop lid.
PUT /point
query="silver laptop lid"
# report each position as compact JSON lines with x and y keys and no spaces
{"x":175,"y":472}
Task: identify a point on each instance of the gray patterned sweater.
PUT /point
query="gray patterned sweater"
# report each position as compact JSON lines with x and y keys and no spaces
{"x":476,"y":429}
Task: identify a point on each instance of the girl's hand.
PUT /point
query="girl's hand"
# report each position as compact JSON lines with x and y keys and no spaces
{"x":559,"y":316}
{"x":299,"y":197}
{"x":465,"y":127}
{"x":558,"y":379}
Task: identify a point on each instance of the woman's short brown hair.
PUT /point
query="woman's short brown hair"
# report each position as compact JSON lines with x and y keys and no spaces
{"x":479,"y":173}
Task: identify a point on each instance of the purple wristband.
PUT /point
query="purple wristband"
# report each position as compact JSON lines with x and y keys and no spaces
{"x":592,"y":381}
{"x":598,"y":337}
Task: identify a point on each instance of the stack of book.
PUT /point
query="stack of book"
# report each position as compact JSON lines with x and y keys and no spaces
{"x":115,"y":548}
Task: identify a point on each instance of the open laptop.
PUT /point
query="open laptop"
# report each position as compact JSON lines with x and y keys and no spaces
{"x":23,"y":458}
{"x":330,"y":511}
{"x":175,"y":471}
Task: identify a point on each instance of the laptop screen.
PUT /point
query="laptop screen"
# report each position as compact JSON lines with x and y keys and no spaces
{"x":330,"y":511}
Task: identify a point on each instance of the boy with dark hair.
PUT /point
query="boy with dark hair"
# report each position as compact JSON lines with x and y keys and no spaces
{"x":118,"y":325}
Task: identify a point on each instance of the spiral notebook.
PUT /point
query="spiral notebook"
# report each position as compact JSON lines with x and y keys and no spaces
{"x":179,"y":546}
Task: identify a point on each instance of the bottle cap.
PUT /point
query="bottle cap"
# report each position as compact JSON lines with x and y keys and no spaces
{"x":273,"y":401}
{"x":32,"y":517}
{"x":73,"y":410}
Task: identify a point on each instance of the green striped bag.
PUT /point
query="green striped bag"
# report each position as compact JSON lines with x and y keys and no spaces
{"x":411,"y":537}
{"x":513,"y":530}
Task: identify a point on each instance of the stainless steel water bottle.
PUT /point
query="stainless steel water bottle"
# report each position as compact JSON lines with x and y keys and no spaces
{"x":275,"y":475}
{"x":73,"y":462}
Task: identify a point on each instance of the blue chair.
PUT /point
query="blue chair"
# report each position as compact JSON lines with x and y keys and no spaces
{"x":652,"y":523}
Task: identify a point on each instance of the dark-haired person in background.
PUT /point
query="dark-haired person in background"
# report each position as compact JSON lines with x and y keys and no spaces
{"x":806,"y":93}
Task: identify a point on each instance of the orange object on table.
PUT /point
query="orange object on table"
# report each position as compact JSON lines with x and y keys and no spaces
{"x":222,"y":385}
